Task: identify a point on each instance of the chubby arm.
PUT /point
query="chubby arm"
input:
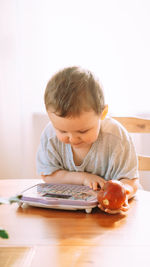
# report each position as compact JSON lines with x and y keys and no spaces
{"x":80,"y":178}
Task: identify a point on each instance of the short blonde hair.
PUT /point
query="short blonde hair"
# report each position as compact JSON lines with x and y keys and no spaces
{"x":73,"y":90}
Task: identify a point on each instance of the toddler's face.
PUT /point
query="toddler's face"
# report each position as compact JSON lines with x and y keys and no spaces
{"x":80,"y":131}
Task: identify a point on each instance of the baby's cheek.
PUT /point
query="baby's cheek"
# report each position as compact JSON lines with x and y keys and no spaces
{"x":91,"y":139}
{"x":63,"y":139}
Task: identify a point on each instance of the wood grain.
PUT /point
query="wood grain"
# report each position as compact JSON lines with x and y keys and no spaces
{"x":134,"y":124}
{"x":137,"y":125}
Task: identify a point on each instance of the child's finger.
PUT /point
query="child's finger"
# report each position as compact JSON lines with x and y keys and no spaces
{"x":101,"y":207}
{"x":126,"y":202}
{"x":94,"y":185}
{"x":112,"y":211}
{"x":125,"y":207}
{"x":90,"y":185}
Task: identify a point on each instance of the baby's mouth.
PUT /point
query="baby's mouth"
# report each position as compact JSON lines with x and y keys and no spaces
{"x":78,"y":144}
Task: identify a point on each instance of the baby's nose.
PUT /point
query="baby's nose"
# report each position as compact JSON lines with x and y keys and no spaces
{"x":73,"y":138}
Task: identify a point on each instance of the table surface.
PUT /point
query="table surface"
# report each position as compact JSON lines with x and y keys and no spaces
{"x":39,"y":236}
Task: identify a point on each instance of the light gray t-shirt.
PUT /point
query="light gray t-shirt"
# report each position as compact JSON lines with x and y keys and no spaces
{"x":112,"y":156}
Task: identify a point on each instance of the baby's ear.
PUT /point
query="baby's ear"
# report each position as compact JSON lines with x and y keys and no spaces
{"x":104,"y":112}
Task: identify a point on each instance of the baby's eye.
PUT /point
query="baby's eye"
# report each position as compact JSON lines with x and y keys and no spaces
{"x":62,"y":131}
{"x":85,"y":131}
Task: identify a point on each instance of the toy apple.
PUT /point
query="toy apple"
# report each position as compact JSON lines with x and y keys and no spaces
{"x":112,"y":195}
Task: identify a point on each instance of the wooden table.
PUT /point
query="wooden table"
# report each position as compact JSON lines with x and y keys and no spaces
{"x":46,"y":237}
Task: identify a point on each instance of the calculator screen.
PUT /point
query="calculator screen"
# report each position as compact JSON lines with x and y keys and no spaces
{"x":56,"y":196}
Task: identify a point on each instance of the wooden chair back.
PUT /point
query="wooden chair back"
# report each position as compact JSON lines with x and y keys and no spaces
{"x":137,"y":125}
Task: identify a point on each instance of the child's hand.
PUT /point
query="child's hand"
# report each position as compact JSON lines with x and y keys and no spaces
{"x":113,"y":197}
{"x":93,"y":181}
{"x":123,"y":208}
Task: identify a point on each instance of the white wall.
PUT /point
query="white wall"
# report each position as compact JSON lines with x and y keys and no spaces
{"x":10,"y":109}
{"x":38,"y":37}
{"x":109,"y":37}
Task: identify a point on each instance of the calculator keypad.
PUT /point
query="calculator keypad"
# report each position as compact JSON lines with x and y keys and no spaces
{"x":76,"y":192}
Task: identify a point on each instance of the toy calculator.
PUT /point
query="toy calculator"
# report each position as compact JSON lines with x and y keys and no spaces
{"x":60,"y":196}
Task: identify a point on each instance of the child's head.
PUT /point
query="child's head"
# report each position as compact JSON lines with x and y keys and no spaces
{"x":72,"y":91}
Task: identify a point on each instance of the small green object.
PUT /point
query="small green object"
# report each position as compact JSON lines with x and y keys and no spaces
{"x":3,"y":234}
{"x":4,"y":200}
{"x":106,"y":202}
{"x":10,"y":200}
{"x":14,"y":199}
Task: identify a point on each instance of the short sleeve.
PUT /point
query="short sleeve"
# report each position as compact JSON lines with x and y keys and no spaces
{"x":48,"y":159}
{"x":123,"y":161}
